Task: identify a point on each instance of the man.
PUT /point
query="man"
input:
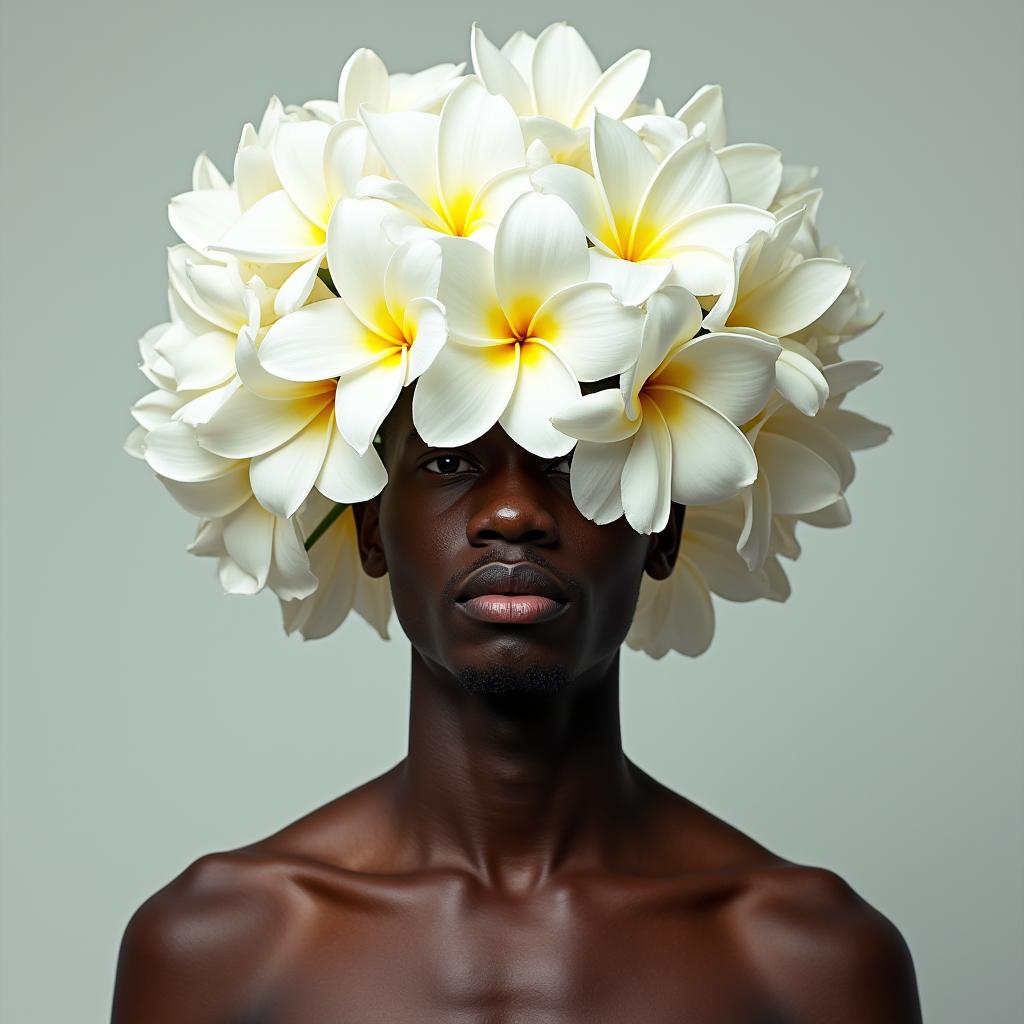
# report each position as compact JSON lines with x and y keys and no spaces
{"x":516,"y":865}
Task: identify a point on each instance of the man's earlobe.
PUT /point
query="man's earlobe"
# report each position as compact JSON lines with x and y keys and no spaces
{"x":371,"y":551}
{"x":664,"y":549}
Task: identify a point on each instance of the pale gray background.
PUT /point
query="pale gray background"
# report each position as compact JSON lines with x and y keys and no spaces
{"x":871,"y":725}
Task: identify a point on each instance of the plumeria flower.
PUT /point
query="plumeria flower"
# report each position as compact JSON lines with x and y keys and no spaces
{"x":648,"y":220}
{"x":381,"y":333}
{"x":287,"y":431}
{"x":669,"y":433}
{"x":753,"y":169}
{"x":805,"y":465}
{"x":317,"y":165}
{"x":525,"y":327}
{"x":365,"y":79}
{"x":555,"y":84}
{"x":202,"y":217}
{"x":343,"y":584}
{"x":776,"y":292}
{"x":677,"y":613}
{"x":458,"y":171}
{"x":256,"y":549}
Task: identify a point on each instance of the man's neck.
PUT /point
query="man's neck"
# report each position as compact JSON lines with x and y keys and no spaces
{"x":514,"y":786}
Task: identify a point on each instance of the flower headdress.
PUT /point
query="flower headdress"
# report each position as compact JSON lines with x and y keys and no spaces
{"x":500,"y":238}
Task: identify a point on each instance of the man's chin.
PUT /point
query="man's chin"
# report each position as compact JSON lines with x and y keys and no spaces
{"x":511,"y":680}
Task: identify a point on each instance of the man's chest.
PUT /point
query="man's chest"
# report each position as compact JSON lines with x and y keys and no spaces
{"x":547,"y":963}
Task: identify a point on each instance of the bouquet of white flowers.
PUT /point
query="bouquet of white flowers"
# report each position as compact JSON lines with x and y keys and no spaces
{"x":500,"y":238}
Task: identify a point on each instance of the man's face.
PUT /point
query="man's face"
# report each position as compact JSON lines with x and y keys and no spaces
{"x":456,"y":524}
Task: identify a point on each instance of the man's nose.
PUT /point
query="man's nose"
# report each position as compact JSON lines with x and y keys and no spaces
{"x":515,"y":514}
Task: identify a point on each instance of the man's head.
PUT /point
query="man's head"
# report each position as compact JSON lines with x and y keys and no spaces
{"x":449,"y":513}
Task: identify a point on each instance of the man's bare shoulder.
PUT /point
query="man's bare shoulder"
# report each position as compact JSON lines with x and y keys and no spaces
{"x":204,"y":946}
{"x":823,"y":950}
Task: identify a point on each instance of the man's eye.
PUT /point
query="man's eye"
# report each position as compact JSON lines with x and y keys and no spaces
{"x":448,"y":464}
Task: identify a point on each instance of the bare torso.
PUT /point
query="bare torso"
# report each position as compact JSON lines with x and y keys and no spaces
{"x":322,"y":923}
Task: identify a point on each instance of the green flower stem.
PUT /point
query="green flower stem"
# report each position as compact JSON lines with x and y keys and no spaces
{"x":325,"y":524}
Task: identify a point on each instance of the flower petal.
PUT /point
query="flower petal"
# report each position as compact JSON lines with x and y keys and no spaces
{"x":590,"y":329}
{"x":583,"y":194}
{"x":711,"y":459}
{"x":800,"y":382}
{"x":599,"y":417}
{"x":479,"y":137}
{"x":358,"y":253}
{"x":407,"y":140}
{"x":800,"y":480}
{"x":733,"y":373}
{"x":623,"y":166}
{"x":595,"y":476}
{"x":298,"y":286}
{"x":785,"y":304}
{"x":463,"y":392}
{"x":673,"y":316}
{"x":540,"y":248}
{"x":688,"y":180}
{"x":648,"y":472}
{"x":498,"y":73}
{"x":754,"y":172}
{"x":346,"y":475}
{"x":413,"y":271}
{"x":426,"y":331}
{"x":615,"y":90}
{"x":247,"y":425}
{"x":281,"y":479}
{"x":299,"y":161}
{"x":249,"y":541}
{"x":754,"y":540}
{"x":706,"y":106}
{"x":855,"y":431}
{"x":366,"y":396}
{"x":363,"y":79}
{"x":468,"y":294}
{"x":173,"y":451}
{"x":544,"y":385}
{"x":212,"y":499}
{"x":321,"y":340}
{"x":563,"y":71}
{"x":202,"y":218}
{"x":631,"y":283}
{"x":289,"y":576}
{"x":273,"y":230}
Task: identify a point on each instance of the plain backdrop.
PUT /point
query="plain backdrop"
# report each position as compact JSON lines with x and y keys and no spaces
{"x":871,"y":725}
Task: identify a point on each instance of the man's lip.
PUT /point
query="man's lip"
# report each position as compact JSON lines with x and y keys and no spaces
{"x":512,"y":608}
{"x":522,"y":579}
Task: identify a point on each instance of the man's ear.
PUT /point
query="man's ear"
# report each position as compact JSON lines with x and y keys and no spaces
{"x":661,"y":557}
{"x":371,"y":551}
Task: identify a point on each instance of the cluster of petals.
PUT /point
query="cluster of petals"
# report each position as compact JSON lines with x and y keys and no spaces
{"x":526,"y":243}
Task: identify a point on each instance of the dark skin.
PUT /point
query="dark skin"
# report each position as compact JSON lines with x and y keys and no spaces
{"x":516,"y":865}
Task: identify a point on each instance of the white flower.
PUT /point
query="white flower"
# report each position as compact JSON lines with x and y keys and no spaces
{"x":384,"y":330}
{"x":774,"y":291}
{"x":648,"y":219}
{"x":365,"y":79}
{"x":255,"y":549}
{"x":343,"y":584}
{"x":677,"y":613}
{"x":555,"y":84}
{"x":669,"y":433}
{"x":526,"y":326}
{"x":457,"y":172}
{"x":202,"y":217}
{"x":754,"y":170}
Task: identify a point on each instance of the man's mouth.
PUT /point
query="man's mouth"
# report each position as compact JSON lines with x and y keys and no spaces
{"x":512,"y":608}
{"x":514,"y":593}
